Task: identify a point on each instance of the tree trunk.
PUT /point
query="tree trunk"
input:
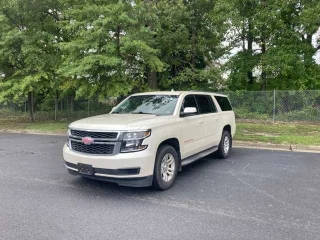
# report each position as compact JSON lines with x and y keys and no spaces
{"x":193,"y":54}
{"x":31,"y":105}
{"x":118,"y":40}
{"x":308,"y":56}
{"x":263,"y":73}
{"x":152,"y":80}
{"x":243,"y":38}
{"x":263,"y":52}
{"x":71,"y":103}
{"x":250,"y":43}
{"x":61,"y":105}
{"x":55,"y":106}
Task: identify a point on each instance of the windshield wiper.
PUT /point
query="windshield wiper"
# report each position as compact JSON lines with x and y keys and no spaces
{"x":142,"y":113}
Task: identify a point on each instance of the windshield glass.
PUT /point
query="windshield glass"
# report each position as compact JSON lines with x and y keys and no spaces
{"x":148,"y":104}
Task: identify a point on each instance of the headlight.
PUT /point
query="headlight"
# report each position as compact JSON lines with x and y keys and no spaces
{"x":68,"y":134}
{"x":132,"y":141}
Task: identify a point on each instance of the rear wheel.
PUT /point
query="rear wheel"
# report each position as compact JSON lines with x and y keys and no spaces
{"x":166,"y":167}
{"x":225,"y":145}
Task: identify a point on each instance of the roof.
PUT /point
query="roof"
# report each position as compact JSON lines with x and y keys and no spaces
{"x":178,"y":93}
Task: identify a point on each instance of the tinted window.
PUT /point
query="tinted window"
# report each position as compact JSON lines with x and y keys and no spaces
{"x":224,"y":103}
{"x":189,"y":101}
{"x":205,"y":104}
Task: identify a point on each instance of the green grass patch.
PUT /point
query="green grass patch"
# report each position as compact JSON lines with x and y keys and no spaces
{"x":37,"y":127}
{"x":279,"y":133}
{"x":54,"y":127}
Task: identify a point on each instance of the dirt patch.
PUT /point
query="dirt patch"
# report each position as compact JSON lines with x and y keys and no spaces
{"x":248,"y":133}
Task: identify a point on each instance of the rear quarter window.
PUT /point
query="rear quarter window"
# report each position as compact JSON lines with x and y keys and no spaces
{"x":223,"y":103}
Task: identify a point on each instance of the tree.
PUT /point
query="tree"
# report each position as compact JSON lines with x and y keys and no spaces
{"x":277,"y":51}
{"x":105,"y":50}
{"x":28,"y":55}
{"x":188,"y":35}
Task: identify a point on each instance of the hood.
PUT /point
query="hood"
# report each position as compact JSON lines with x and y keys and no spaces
{"x":119,"y":122}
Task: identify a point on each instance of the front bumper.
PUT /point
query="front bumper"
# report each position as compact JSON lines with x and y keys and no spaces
{"x":127,"y":169}
{"x":129,"y":182}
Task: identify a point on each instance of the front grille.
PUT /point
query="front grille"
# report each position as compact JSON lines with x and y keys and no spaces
{"x":93,"y":148}
{"x":105,"y":135}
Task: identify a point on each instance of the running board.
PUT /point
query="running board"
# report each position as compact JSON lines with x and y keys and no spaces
{"x":197,"y":156}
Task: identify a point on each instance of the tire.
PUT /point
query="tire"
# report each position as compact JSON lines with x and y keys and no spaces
{"x":225,"y":145}
{"x":166,"y":167}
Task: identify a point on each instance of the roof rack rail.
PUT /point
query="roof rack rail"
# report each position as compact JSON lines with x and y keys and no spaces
{"x":208,"y":92}
{"x":197,"y":91}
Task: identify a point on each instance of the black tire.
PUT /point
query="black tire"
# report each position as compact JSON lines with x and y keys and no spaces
{"x":222,"y":153}
{"x":158,"y":181}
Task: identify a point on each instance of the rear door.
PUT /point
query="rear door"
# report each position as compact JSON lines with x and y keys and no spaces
{"x":209,"y":121}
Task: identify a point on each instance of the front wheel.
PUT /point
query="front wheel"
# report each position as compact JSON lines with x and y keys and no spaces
{"x":225,"y":145}
{"x":166,"y":167}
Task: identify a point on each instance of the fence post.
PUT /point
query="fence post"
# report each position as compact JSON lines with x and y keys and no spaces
{"x":274,"y":105}
{"x":88,"y":107}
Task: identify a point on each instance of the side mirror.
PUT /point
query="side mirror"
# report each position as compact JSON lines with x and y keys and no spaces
{"x":189,"y":111}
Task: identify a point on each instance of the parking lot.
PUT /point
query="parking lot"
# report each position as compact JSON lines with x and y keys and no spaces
{"x":255,"y":194}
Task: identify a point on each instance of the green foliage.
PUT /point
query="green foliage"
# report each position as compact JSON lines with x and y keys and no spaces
{"x":55,"y":49}
{"x":107,"y":49}
{"x":205,"y":80}
{"x":276,"y":51}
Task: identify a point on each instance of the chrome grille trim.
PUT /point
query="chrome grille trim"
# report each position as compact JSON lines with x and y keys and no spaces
{"x":96,"y":141}
{"x":91,"y":133}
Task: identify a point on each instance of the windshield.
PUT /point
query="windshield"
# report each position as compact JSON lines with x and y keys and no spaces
{"x":148,"y":104}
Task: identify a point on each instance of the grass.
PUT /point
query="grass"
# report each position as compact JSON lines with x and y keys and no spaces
{"x":279,"y":133}
{"x":36,"y":127}
{"x":54,"y":127}
{"x":266,"y":132}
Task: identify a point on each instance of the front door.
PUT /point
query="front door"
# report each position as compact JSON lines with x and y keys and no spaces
{"x":191,"y":129}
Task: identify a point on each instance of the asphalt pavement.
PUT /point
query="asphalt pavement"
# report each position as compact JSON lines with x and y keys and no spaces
{"x":255,"y":194}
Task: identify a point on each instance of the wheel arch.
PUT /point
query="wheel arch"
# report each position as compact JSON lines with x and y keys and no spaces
{"x":227,"y":128}
{"x":174,"y":142}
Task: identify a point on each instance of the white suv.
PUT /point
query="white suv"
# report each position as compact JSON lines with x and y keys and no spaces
{"x":148,"y":137}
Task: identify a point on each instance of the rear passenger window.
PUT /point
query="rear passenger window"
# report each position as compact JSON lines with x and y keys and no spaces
{"x":223,"y":103}
{"x":205,"y":104}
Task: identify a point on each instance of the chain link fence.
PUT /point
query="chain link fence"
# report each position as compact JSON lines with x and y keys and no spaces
{"x":273,"y":106}
{"x":286,"y":106}
{"x":62,"y":110}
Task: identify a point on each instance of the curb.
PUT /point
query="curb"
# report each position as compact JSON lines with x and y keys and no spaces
{"x":277,"y":147}
{"x":31,"y":132}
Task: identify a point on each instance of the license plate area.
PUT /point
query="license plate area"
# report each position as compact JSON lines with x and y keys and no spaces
{"x":85,"y":169}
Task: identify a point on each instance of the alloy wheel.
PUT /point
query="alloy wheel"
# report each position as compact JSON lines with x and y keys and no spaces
{"x":167,"y":167}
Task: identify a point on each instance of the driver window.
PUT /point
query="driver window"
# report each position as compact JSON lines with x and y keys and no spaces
{"x":189,"y":101}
